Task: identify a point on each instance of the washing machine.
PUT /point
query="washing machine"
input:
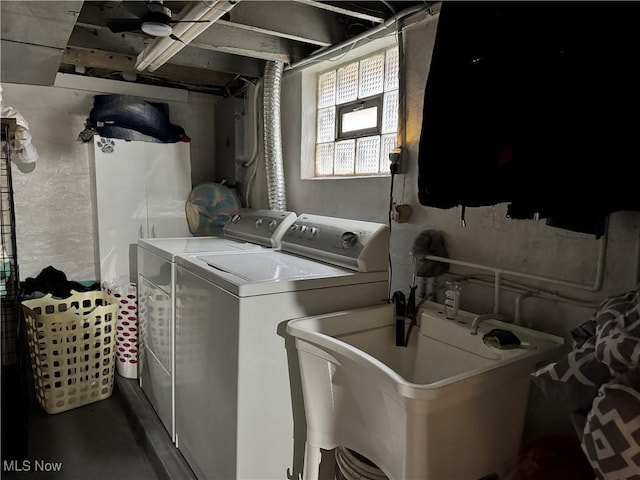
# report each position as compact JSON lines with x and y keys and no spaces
{"x":239,"y":405}
{"x":249,"y":231}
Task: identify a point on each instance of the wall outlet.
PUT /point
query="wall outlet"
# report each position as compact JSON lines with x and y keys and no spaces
{"x":396,"y":163}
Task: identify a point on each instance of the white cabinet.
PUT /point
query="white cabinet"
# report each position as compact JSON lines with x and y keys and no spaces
{"x":140,"y":191}
{"x":168,"y":183}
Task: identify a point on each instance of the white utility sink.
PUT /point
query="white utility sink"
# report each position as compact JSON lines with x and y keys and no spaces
{"x":445,"y":407}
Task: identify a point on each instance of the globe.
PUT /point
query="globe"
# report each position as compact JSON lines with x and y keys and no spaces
{"x":209,"y":207}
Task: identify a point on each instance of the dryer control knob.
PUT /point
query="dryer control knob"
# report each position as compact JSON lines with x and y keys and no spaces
{"x":258,"y":222}
{"x":349,"y":239}
{"x":236,"y":218}
{"x":273,"y":224}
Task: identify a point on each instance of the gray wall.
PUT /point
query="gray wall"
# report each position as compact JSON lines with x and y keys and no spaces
{"x":489,"y":238}
{"x":54,"y":215}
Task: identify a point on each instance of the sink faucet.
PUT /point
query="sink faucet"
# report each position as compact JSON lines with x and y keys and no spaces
{"x":481,"y":318}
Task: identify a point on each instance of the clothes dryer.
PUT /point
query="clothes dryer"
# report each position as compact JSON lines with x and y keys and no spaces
{"x":239,"y":405}
{"x":249,"y":231}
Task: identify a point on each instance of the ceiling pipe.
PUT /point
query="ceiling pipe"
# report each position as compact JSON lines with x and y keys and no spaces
{"x":431,"y":10}
{"x":154,"y":49}
{"x":163,"y":49}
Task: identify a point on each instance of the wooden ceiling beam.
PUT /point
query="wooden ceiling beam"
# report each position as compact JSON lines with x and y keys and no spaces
{"x":343,"y":9}
{"x":292,"y":20}
{"x":88,"y":58}
{"x":89,"y":37}
{"x":222,"y":36}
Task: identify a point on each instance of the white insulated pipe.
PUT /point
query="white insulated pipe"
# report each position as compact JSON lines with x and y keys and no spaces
{"x":163,"y":49}
{"x":500,"y":272}
{"x":432,"y":10}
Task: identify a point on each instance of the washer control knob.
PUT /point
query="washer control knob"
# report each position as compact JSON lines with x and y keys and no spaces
{"x":349,"y":239}
{"x":293,"y":228}
{"x":236,"y":218}
{"x":258,"y":222}
{"x":303,"y":228}
{"x":273,"y":224}
{"x":313,"y":231}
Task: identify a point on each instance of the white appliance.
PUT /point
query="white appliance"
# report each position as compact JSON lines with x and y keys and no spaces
{"x":239,"y":404}
{"x":140,"y":191}
{"x":249,"y":231}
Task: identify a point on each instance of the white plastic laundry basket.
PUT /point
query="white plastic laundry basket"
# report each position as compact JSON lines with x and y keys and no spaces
{"x":72,"y":348}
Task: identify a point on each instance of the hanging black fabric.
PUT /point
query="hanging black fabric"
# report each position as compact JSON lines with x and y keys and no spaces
{"x":534,"y":104}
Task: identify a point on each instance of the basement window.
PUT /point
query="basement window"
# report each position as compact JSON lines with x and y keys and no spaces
{"x":358,"y":119}
{"x":357,"y":116}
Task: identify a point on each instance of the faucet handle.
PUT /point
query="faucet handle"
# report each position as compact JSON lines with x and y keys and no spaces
{"x":475,"y":323}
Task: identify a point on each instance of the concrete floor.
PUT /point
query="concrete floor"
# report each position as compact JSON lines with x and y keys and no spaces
{"x":119,"y":438}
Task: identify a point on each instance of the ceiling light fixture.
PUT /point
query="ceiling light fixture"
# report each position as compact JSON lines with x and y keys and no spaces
{"x":156,"y":29}
{"x":163,"y":49}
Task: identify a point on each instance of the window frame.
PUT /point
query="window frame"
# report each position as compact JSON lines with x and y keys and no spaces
{"x":308,"y":85}
{"x":363,"y":104}
{"x":328,"y":163}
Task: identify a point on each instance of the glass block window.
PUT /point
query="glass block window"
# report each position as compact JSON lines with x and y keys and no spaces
{"x":357,"y":116}
{"x":345,"y":161}
{"x":327,"y":89}
{"x":367,"y":155}
{"x":347,"y":89}
{"x":326,"y":125}
{"x":390,"y":112}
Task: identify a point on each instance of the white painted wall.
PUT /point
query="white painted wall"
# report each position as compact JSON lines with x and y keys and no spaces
{"x":489,"y":238}
{"x":54,"y":215}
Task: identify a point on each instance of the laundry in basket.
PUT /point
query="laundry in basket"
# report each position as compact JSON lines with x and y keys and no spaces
{"x":127,"y":325}
{"x":72,"y":348}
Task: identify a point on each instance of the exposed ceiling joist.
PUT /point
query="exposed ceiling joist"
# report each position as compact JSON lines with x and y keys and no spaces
{"x":222,"y":36}
{"x":292,"y":20}
{"x":132,"y":44}
{"x":42,"y":37}
{"x":88,"y":36}
{"x":191,"y":23}
{"x":199,"y":58}
{"x":126,"y":64}
{"x":345,"y":8}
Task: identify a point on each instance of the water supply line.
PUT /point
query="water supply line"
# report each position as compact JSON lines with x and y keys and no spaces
{"x":252,"y":160}
{"x":498,"y":273}
{"x":273,"y":136}
{"x":517,"y":313}
{"x":253,"y":101}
